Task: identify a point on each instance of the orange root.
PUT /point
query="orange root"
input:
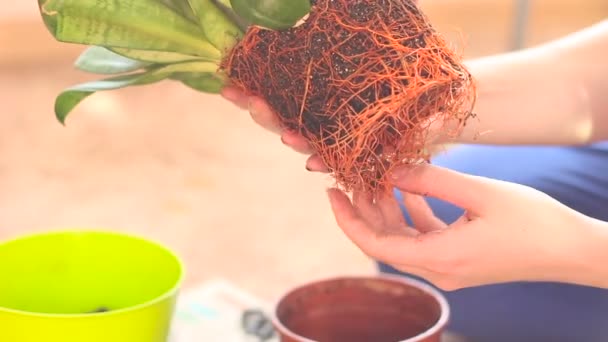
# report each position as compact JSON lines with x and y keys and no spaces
{"x":362,"y":80}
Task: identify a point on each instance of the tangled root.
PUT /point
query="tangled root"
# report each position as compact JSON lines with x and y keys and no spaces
{"x":362,"y":81}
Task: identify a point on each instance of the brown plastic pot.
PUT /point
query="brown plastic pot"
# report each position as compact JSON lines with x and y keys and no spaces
{"x":362,"y":309}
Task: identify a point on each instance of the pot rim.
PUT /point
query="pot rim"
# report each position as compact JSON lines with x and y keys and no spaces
{"x":169,"y":294}
{"x":438,"y":296}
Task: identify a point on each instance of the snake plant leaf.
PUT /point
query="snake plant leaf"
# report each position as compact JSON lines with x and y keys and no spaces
{"x":204,"y":82}
{"x":99,"y":60}
{"x":133,"y":24}
{"x":71,"y":97}
{"x":157,"y":57}
{"x":272,"y":14}
{"x":226,"y":3}
{"x":218,"y":28}
{"x":182,"y":7}
{"x":226,"y":7}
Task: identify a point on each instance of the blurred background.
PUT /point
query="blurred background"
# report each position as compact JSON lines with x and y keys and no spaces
{"x":191,"y":170}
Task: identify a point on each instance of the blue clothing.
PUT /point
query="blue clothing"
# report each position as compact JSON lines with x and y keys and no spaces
{"x":532,"y":312}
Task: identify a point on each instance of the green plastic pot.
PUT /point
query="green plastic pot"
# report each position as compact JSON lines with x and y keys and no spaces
{"x":87,"y":286}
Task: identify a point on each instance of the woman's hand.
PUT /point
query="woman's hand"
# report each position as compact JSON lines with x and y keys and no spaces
{"x":508,"y":233}
{"x":263,"y":115}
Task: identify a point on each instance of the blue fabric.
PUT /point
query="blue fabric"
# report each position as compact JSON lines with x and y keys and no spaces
{"x":532,"y":312}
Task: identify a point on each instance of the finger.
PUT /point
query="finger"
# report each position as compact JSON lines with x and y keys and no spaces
{"x":423,"y":273}
{"x":316,"y":164}
{"x":391,"y":212}
{"x":421,"y":214}
{"x":416,"y":271}
{"x":466,"y":218}
{"x":466,"y":191}
{"x":235,"y":96}
{"x":392,"y":249}
{"x":383,"y":215}
{"x":263,"y":115}
{"x":297,"y":142}
{"x":366,"y":209}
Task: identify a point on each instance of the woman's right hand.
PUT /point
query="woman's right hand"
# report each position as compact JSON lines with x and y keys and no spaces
{"x":264,"y":116}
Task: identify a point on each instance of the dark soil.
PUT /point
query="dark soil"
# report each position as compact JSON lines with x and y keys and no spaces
{"x":347,"y":59}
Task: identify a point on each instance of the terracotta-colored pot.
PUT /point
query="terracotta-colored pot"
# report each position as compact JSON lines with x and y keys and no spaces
{"x":362,"y":309}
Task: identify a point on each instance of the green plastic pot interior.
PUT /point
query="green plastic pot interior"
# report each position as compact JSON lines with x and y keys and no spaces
{"x":74,"y":286}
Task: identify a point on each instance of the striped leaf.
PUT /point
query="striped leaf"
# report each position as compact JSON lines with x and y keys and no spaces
{"x":132,"y":24}
{"x":70,"y":98}
{"x":272,"y":14}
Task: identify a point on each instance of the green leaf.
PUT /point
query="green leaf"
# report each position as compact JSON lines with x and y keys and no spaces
{"x":218,"y":28}
{"x":225,"y":3}
{"x":100,"y":60}
{"x":71,"y":97}
{"x":182,"y":7}
{"x":226,"y":8}
{"x":208,"y":83}
{"x":272,"y":14}
{"x":159,"y":57}
{"x":133,"y":24}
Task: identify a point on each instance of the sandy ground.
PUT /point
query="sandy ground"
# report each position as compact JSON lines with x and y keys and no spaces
{"x":187,"y":169}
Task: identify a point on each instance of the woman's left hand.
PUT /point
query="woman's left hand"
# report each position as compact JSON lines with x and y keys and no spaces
{"x":508,"y":232}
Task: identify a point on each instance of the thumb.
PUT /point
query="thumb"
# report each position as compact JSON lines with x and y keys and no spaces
{"x":463,"y":190}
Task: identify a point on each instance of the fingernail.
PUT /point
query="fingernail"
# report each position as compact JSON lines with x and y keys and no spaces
{"x":253,"y":110}
{"x":251,"y":106}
